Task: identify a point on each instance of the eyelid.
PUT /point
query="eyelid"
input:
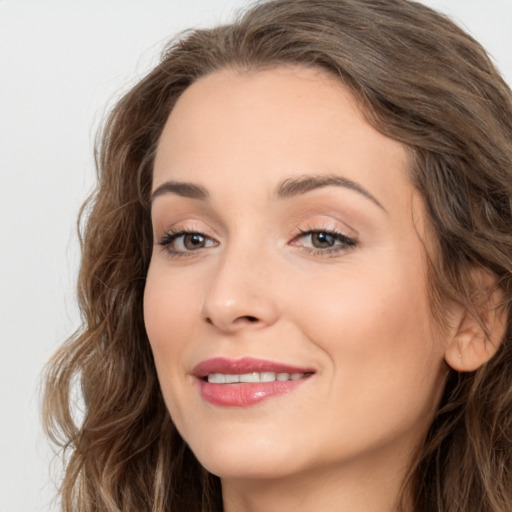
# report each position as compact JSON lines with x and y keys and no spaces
{"x":337,"y":234}
{"x":173,"y":233}
{"x":186,"y":223}
{"x":343,"y":241}
{"x":326,"y":222}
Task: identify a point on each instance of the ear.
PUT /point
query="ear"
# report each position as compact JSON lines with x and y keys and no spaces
{"x":479,"y":328}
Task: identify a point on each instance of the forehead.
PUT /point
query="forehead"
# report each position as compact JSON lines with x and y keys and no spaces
{"x":259,"y":127}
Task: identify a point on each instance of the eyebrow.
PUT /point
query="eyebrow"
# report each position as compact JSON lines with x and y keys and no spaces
{"x":189,"y":190}
{"x":290,"y":187}
{"x":303,"y":184}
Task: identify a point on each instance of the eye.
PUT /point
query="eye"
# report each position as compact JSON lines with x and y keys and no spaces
{"x":323,"y":242}
{"x":182,"y":242}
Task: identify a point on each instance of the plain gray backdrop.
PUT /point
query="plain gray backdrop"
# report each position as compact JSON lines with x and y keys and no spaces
{"x":62,"y":64}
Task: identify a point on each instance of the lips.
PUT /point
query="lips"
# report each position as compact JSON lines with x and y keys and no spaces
{"x":247,"y":381}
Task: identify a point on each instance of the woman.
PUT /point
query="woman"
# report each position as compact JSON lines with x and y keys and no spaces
{"x":296,"y":274}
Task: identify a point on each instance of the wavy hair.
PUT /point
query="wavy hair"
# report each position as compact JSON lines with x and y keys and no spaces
{"x":418,"y":79}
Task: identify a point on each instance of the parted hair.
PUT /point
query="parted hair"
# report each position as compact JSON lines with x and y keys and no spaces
{"x":419,"y":79}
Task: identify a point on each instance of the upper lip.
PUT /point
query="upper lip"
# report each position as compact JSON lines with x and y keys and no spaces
{"x":244,"y":365}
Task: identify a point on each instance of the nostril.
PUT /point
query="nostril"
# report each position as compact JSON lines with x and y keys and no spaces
{"x":249,"y":319}
{"x":246,"y":318}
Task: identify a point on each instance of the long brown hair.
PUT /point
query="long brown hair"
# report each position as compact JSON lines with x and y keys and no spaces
{"x":419,"y":79}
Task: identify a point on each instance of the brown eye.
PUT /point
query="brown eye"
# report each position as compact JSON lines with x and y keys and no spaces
{"x":193,"y":241}
{"x":323,"y":243}
{"x":322,"y":240}
{"x":184,"y":242}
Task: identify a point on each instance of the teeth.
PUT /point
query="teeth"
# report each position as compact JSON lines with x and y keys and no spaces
{"x":224,"y":378}
{"x":250,"y":377}
{"x":217,"y":378}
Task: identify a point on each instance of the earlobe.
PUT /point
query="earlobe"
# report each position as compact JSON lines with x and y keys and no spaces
{"x":468,"y":351}
{"x":479,"y":333}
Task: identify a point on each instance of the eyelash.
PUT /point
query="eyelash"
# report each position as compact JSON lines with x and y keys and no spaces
{"x":172,"y":235}
{"x":342,"y":242}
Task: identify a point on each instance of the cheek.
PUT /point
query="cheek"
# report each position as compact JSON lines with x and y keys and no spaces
{"x":386,"y":302}
{"x":385,"y":370}
{"x":168,"y":318}
{"x":375,"y":326}
{"x":168,"y":308}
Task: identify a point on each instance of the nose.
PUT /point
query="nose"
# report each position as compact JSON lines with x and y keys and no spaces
{"x":240,"y":295}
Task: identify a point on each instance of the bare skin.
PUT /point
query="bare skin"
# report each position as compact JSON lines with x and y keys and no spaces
{"x":327,"y":274}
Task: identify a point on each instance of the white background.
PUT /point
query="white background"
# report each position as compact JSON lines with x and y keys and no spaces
{"x":62,"y":63}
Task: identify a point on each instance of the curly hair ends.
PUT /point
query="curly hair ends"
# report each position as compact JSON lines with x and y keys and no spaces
{"x":418,"y":79}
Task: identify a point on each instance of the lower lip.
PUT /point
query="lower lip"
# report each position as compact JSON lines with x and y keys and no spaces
{"x":246,"y":394}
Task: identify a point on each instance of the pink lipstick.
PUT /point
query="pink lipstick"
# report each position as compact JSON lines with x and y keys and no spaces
{"x":247,"y":381}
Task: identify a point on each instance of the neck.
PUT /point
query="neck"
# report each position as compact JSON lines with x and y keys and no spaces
{"x":350,"y":488}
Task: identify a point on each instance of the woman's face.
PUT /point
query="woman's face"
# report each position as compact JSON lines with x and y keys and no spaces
{"x":288,"y":256}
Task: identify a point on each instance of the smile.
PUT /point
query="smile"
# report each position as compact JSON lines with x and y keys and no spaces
{"x":222,"y":378}
{"x":247,"y":381}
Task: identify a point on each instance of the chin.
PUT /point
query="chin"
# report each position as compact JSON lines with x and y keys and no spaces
{"x":246,"y":458}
